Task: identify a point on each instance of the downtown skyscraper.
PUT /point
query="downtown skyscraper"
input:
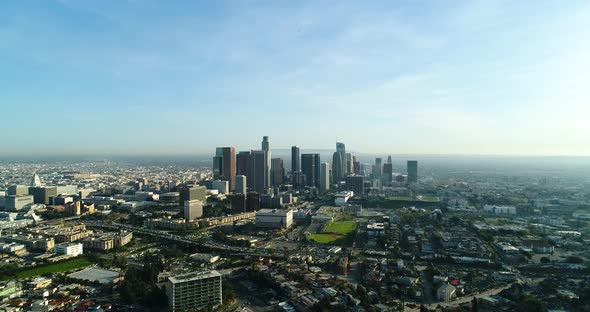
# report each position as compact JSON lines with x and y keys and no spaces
{"x":412,"y":171}
{"x":295,"y":160}
{"x":310,"y":166}
{"x":224,"y":165}
{"x":339,"y":163}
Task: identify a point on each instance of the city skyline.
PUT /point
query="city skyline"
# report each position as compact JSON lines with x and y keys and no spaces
{"x":112,"y":77}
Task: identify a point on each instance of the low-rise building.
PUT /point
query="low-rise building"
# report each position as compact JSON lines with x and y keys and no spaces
{"x":274,"y":218}
{"x":446,"y":292}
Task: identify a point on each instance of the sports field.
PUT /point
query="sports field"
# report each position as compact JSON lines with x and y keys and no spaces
{"x":340,"y":233}
{"x":343,"y":227}
{"x":64,"y":266}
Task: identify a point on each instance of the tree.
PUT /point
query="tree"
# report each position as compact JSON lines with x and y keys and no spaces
{"x":474,"y":307}
{"x":545,"y":260}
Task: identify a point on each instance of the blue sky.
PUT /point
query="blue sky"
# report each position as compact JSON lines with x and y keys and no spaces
{"x":410,"y":77}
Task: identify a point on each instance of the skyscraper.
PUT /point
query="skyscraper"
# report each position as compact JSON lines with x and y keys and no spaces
{"x":389,"y":160}
{"x":241,"y":184}
{"x":377,"y":168}
{"x":224,"y":165}
{"x":325,"y":177}
{"x":277,"y":171}
{"x":349,"y":163}
{"x":310,"y":166}
{"x":243,"y":163}
{"x":387,"y":173}
{"x":193,"y":209}
{"x":412,"y":171}
{"x":295,"y":160}
{"x":339,"y":163}
{"x":35,"y":180}
{"x":356,"y":184}
{"x":258,"y":177}
{"x":266,"y":149}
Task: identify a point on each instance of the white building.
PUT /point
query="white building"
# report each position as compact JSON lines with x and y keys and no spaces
{"x":274,"y":218}
{"x":343,"y":197}
{"x":375,"y":229}
{"x":204,"y":257}
{"x":325,"y":177}
{"x":446,"y":292}
{"x":221,"y":186}
{"x":195,"y":290}
{"x":193,"y":209}
{"x":241,"y":184}
{"x":500,"y":210}
{"x":70,"y":249}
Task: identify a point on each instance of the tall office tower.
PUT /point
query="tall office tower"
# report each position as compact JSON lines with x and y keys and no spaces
{"x":341,"y":147}
{"x":412,"y":171}
{"x":295,"y":160}
{"x":389,"y":160}
{"x":193,"y":209}
{"x":356,"y":184}
{"x":338,"y":168}
{"x":192,"y":192}
{"x":310,"y":166}
{"x":349,"y":163}
{"x":243,"y":163}
{"x":387,"y":174}
{"x":17,"y":190}
{"x":325,"y":177}
{"x":241,"y":184}
{"x":356,"y":167}
{"x":224,"y":165}
{"x":378,"y":167}
{"x":218,"y":163}
{"x":298,"y":180}
{"x":277,"y":171}
{"x":35,"y":180}
{"x":193,"y":291}
{"x":258,"y":174}
{"x":266,"y":149}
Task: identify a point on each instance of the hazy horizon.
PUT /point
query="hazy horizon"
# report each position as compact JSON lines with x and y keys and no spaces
{"x":411,"y":78}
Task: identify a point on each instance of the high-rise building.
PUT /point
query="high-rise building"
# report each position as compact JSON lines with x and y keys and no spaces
{"x":310,"y":166}
{"x":41,"y":194}
{"x":193,"y":291}
{"x":412,"y":171}
{"x":258,"y":173}
{"x":243,"y":163}
{"x":266,"y":149}
{"x":191,"y":192}
{"x":387,"y":173}
{"x":193,"y":209}
{"x":295,"y":160}
{"x":325,"y":177}
{"x":17,"y":190}
{"x":389,"y":160}
{"x":224,"y":165}
{"x":277,"y":171}
{"x":357,"y":167}
{"x":349,"y":163}
{"x":221,"y":186}
{"x":241,"y":184}
{"x":339,"y":163}
{"x":377,"y":168}
{"x":252,"y":201}
{"x":356,"y":184}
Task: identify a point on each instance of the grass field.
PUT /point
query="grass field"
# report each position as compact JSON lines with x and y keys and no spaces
{"x":324,"y":238}
{"x":340,"y":233}
{"x":342,"y":227}
{"x":400,"y":198}
{"x":64,"y":266}
{"x":430,"y":199}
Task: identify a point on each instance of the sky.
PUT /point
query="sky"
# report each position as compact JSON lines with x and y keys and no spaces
{"x":400,"y":77}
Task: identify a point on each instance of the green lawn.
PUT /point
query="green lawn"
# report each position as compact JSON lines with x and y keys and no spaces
{"x":430,"y":199}
{"x":324,"y":238}
{"x":342,"y":227}
{"x":64,"y":266}
{"x":400,"y":198}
